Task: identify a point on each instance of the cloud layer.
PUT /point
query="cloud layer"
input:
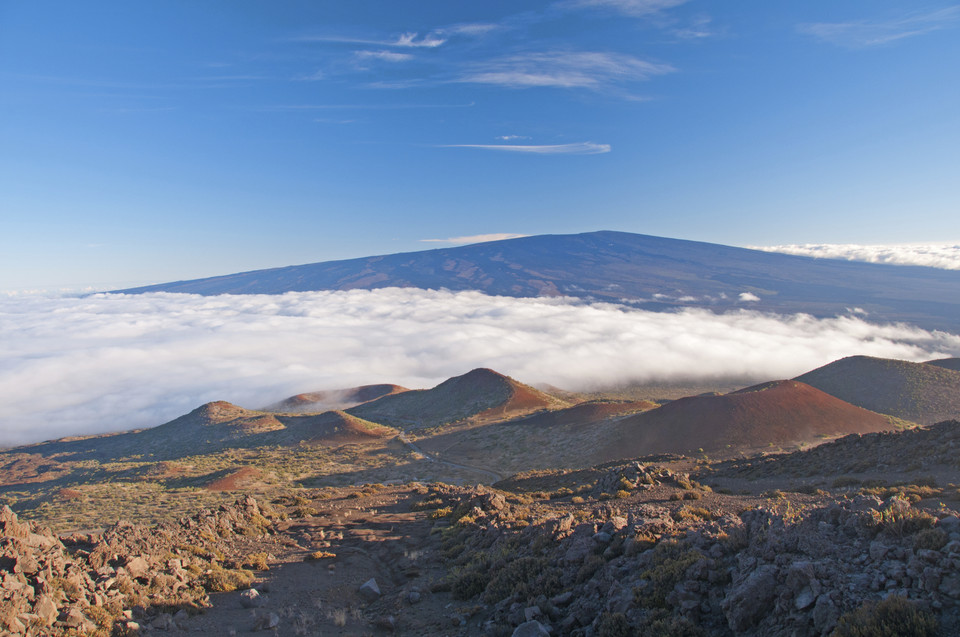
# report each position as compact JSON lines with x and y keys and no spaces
{"x":115,"y":362}
{"x":943,"y":256}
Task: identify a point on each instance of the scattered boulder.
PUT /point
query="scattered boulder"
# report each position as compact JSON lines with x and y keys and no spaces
{"x":531,"y":628}
{"x":267,"y":621}
{"x":751,"y":599}
{"x":370,"y":591}
{"x":251,"y":598}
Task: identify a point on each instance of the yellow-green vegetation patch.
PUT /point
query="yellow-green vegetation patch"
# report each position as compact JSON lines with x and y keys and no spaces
{"x":892,"y":617}
{"x":670,"y":562}
{"x":320,"y":555}
{"x":218,"y":579}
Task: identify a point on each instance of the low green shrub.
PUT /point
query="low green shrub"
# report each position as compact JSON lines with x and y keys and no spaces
{"x":223,"y":580}
{"x":892,"y":617}
{"x":669,"y":565}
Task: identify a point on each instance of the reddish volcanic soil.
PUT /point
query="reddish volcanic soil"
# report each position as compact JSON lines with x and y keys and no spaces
{"x":236,"y":480}
{"x":586,"y":414}
{"x":337,"y":428}
{"x":779,"y":413}
{"x":481,"y":393}
{"x":521,"y":398}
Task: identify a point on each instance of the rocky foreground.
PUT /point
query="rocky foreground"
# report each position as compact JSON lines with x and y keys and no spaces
{"x":630,"y":548}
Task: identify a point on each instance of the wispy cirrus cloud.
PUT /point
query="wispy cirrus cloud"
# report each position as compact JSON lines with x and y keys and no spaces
{"x":866,"y":33}
{"x":626,"y":7}
{"x":477,"y":238}
{"x":563,"y":69}
{"x":581,"y":148}
{"x":474,"y":29}
{"x":383,"y":56}
{"x":413,"y":39}
{"x":698,"y":28}
{"x":404,"y":40}
{"x":943,"y":256}
{"x":369,"y":107}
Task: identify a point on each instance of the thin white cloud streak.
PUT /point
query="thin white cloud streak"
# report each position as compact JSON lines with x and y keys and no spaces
{"x":384,"y":56}
{"x":411,"y":39}
{"x":943,"y":256}
{"x":365,"y":107}
{"x":404,"y":40}
{"x":581,"y":148}
{"x":472,"y":29}
{"x":115,"y":362}
{"x":563,"y":69}
{"x":477,"y":238}
{"x":635,"y":8}
{"x":866,"y":33}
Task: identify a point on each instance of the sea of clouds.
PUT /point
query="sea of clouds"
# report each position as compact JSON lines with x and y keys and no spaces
{"x":944,"y":256}
{"x":112,"y":362}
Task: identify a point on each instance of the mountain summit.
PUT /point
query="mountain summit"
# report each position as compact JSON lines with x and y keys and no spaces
{"x":649,"y":272}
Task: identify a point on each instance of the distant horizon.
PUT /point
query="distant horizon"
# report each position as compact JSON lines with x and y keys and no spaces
{"x":936,"y":254}
{"x":156,"y":142}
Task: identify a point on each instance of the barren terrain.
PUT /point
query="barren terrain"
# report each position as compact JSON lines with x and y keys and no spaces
{"x":486,"y":507}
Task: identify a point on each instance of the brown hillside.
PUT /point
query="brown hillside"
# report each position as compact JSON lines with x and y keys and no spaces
{"x":920,"y":392}
{"x":327,"y":400}
{"x":481,"y":392}
{"x":235,"y":480}
{"x":779,"y":413}
{"x":585,"y":414}
{"x":333,"y":428}
{"x":220,"y":419}
{"x":921,"y":450}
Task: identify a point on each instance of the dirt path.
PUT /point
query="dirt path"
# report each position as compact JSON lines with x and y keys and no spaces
{"x":374,"y":536}
{"x":495,"y":476}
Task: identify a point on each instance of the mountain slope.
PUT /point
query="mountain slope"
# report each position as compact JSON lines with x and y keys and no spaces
{"x":652,"y":272}
{"x":586,"y":414}
{"x":215,"y":427}
{"x":920,"y":392}
{"x":779,"y":413}
{"x":333,"y":428}
{"x":481,"y":392}
{"x":946,"y":363}
{"x":334,"y":399}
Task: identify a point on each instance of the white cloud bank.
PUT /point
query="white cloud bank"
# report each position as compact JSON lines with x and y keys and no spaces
{"x":943,"y":256}
{"x":115,"y":362}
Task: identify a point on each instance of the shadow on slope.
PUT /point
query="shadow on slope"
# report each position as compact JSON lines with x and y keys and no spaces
{"x":211,"y":428}
{"x":921,"y":392}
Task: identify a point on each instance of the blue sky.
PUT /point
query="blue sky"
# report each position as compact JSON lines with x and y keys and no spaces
{"x":145,"y":142}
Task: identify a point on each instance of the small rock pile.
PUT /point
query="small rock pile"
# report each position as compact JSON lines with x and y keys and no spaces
{"x":37,"y":575}
{"x":638,"y":476}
